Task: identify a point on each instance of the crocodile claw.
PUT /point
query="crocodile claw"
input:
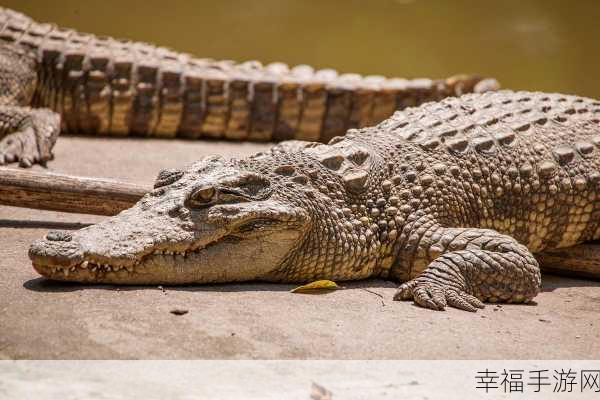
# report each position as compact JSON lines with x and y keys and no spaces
{"x":437,"y":296}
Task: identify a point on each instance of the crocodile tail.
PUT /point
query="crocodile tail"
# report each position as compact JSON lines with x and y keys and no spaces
{"x":102,"y":85}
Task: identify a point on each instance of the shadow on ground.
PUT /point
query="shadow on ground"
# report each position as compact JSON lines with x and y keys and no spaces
{"x":50,"y":286}
{"x":40,"y":224}
{"x":550,"y":283}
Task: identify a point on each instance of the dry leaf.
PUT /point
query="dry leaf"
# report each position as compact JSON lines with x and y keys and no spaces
{"x":316,"y":286}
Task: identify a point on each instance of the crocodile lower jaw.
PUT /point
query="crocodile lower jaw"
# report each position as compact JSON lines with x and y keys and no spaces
{"x":95,"y":269}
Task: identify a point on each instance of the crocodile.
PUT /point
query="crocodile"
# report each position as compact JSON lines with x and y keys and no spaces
{"x":101,"y":85}
{"x":451,"y":198}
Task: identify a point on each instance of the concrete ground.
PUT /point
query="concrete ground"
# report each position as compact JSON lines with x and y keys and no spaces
{"x":42,"y":319}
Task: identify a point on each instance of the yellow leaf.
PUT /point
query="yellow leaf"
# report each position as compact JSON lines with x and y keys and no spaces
{"x":316,"y":286}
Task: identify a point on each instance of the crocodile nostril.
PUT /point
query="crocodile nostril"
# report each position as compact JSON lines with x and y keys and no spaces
{"x":58,"y":236}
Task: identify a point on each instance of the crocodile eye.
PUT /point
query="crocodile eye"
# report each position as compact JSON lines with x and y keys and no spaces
{"x":202,"y":196}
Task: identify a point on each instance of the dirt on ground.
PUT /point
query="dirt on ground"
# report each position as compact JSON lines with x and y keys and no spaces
{"x":41,"y":319}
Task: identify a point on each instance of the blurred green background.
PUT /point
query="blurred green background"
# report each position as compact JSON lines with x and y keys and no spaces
{"x":548,"y":45}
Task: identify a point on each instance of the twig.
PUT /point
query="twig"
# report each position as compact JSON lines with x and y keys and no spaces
{"x":376,"y":294}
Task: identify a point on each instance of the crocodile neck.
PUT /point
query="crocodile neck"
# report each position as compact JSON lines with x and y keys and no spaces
{"x":102,"y":85}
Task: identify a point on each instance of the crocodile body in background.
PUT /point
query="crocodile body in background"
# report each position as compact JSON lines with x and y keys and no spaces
{"x":452,"y":198}
{"x":101,"y":85}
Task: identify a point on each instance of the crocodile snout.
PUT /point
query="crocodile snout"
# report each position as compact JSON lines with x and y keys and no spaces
{"x":58,"y":249}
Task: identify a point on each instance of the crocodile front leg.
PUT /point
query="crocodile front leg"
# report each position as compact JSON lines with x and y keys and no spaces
{"x":467,"y":266}
{"x":28,"y":135}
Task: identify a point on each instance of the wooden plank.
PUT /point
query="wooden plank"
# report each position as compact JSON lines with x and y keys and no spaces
{"x":582,"y":260}
{"x":57,"y":192}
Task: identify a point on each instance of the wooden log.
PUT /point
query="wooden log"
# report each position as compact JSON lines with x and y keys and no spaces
{"x":582,"y":260}
{"x":57,"y":192}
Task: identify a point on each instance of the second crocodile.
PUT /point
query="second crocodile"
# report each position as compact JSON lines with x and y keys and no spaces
{"x":101,"y":85}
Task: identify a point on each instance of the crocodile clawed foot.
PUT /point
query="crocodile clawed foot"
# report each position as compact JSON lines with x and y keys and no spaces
{"x":21,"y":147}
{"x":436,"y":296}
{"x":32,"y":143}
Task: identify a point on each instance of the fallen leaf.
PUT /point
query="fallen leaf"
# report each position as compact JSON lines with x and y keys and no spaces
{"x":316,"y":286}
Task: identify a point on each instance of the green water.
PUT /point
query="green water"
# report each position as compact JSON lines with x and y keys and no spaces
{"x":535,"y":45}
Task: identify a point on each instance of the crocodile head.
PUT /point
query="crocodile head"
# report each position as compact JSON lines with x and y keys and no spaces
{"x":216,"y":221}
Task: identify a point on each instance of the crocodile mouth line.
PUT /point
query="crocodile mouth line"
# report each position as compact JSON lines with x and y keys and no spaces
{"x":130,"y":266}
{"x":99,"y":268}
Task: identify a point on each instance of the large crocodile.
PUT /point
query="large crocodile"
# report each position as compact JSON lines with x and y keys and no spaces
{"x":452,"y":198}
{"x":101,"y":85}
